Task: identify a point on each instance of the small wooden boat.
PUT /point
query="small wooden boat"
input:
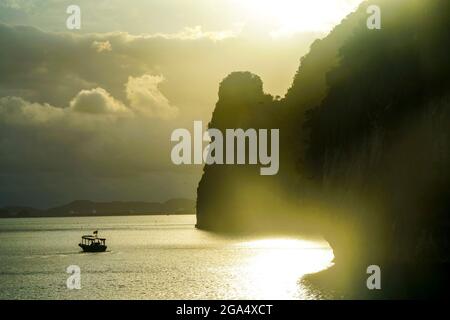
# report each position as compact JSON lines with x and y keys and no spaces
{"x":92,"y":243}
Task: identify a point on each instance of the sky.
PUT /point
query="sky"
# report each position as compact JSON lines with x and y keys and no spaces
{"x":88,"y":113}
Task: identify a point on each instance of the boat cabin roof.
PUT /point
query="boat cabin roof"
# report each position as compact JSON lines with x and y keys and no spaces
{"x":89,"y":237}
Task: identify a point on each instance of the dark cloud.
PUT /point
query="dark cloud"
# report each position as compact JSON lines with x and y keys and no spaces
{"x":99,"y":109}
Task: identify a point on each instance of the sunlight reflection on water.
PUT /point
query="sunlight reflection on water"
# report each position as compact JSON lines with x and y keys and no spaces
{"x":157,"y":257}
{"x":275,"y":270}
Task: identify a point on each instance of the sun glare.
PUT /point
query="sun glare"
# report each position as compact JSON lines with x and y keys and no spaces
{"x":277,"y":265}
{"x":286,"y":17}
{"x":281,"y":243}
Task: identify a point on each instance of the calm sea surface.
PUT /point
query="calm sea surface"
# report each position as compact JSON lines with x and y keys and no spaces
{"x":153,"y":257}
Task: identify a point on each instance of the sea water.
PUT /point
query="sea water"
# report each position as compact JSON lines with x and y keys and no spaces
{"x":153,"y":257}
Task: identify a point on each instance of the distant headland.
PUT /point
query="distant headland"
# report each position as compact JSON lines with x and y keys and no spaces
{"x":86,"y":208}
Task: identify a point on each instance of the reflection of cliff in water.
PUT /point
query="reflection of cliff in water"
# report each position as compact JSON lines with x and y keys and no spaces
{"x":364,"y":138}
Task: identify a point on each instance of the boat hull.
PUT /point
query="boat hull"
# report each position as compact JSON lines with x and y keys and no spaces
{"x":93,"y":248}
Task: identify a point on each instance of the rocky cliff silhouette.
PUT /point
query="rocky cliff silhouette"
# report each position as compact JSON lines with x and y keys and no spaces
{"x":365,"y":148}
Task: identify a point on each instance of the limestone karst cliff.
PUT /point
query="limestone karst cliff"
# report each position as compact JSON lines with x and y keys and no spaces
{"x":365,"y":142}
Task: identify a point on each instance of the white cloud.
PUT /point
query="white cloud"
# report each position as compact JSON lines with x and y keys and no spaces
{"x":102,"y":46}
{"x":79,"y":139}
{"x":195,"y":33}
{"x":97,"y":101}
{"x":97,"y":134}
{"x":146,"y":98}
{"x":143,"y":94}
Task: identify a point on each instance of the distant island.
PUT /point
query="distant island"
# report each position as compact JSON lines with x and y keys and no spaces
{"x":86,"y":208}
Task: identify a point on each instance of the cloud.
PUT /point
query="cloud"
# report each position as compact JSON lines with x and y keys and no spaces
{"x":102,"y":46}
{"x":52,"y":155}
{"x":54,"y":67}
{"x":69,"y":113}
{"x":97,"y":135}
{"x":42,"y":137}
{"x":17,"y":111}
{"x":143,"y":94}
{"x":146,"y":98}
{"x":97,"y":101}
{"x":195,"y":33}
